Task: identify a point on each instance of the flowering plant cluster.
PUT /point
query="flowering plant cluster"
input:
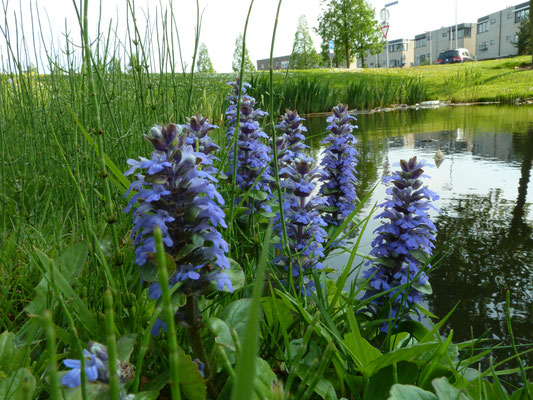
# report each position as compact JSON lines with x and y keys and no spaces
{"x":253,"y":156}
{"x":96,"y":368}
{"x":177,"y":193}
{"x":403,"y":243}
{"x":290,"y":144}
{"x":339,"y":164}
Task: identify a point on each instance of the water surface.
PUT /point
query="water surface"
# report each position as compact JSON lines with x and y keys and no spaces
{"x":486,"y":219}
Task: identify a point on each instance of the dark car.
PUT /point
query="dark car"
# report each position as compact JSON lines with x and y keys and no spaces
{"x":454,"y":56}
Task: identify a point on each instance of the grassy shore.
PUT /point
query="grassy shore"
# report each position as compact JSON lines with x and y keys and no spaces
{"x":502,"y":80}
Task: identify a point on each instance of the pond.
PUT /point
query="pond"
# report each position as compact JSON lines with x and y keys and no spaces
{"x":486,"y":219}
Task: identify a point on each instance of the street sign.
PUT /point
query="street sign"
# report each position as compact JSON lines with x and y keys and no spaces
{"x":385,"y":30}
{"x":331,"y":46}
{"x":391,"y":4}
{"x":384,"y":14}
{"x":331,"y":56}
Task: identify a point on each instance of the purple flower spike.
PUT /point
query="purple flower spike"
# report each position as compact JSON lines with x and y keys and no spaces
{"x":403,"y":242}
{"x":253,"y":156}
{"x":304,"y":224}
{"x":290,"y":144}
{"x":339,"y":164}
{"x":177,"y":193}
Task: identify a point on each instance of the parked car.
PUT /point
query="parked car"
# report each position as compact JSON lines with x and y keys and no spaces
{"x":454,"y":56}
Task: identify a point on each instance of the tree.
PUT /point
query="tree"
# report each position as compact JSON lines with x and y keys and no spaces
{"x":524,"y":41}
{"x":237,"y":54}
{"x":352,"y":27}
{"x":304,"y":54}
{"x":204,"y":62}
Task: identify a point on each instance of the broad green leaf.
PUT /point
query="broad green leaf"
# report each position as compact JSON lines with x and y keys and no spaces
{"x":362,"y":352}
{"x":410,"y":392}
{"x":378,"y":386}
{"x":222,"y":334}
{"x":150,"y":395}
{"x":19,"y":385}
{"x":7,"y":349}
{"x":68,"y":293}
{"x":71,"y":262}
{"x":426,"y":288}
{"x":235,"y":275}
{"x":446,"y":391}
{"x":265,"y":378}
{"x":148,"y":272}
{"x":125,"y":346}
{"x":191,"y":380}
{"x":236,"y":315}
{"x":258,"y":195}
{"x":403,"y":354}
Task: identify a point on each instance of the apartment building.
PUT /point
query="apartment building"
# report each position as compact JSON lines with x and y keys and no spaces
{"x":277,"y":63}
{"x":428,"y":46}
{"x":496,"y":32}
{"x":401,"y":54}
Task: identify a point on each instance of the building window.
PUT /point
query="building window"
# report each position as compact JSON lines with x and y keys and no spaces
{"x":493,"y":21}
{"x":483,"y":47}
{"x":397,"y":47}
{"x":492,"y":42}
{"x":510,"y":15}
{"x":284,"y":64}
{"x":483,"y":27}
{"x":420,"y":42}
{"x":262,"y":66}
{"x":429,"y":55}
{"x":509,"y":39}
{"x":445,"y":34}
{"x":519,"y":16}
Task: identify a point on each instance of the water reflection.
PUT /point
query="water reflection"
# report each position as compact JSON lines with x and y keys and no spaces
{"x":486,"y":221}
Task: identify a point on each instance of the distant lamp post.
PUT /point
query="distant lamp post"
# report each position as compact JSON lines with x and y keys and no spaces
{"x":385,"y":14}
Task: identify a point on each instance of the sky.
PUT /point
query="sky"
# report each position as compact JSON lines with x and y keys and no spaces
{"x":42,"y":23}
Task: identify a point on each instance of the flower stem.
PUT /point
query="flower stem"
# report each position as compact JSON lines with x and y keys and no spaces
{"x":169,"y":315}
{"x":193,"y":318}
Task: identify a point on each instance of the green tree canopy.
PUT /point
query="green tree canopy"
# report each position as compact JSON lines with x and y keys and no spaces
{"x":237,"y":54}
{"x":524,"y":35}
{"x":204,"y":62}
{"x":304,"y":54}
{"x":352,"y":27}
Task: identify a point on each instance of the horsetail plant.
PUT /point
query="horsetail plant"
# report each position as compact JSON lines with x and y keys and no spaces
{"x":339,"y":164}
{"x":403,"y":244}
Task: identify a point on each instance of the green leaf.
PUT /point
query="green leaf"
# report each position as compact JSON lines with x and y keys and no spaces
{"x":362,"y":352}
{"x":222,"y":334}
{"x":388,"y":262}
{"x":72,"y":261}
{"x":148,"y":272}
{"x":68,"y":293}
{"x":378,"y":386}
{"x":19,"y":385}
{"x":125,"y":346}
{"x":446,"y":391}
{"x":236,"y":315}
{"x":7,"y":349}
{"x":409,"y":392}
{"x":265,"y":378}
{"x":330,"y":209}
{"x":403,"y":354}
{"x":258,"y":195}
{"x":426,"y":288}
{"x":191,"y":380}
{"x":150,"y":395}
{"x":235,"y":275}
{"x":421,"y":256}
